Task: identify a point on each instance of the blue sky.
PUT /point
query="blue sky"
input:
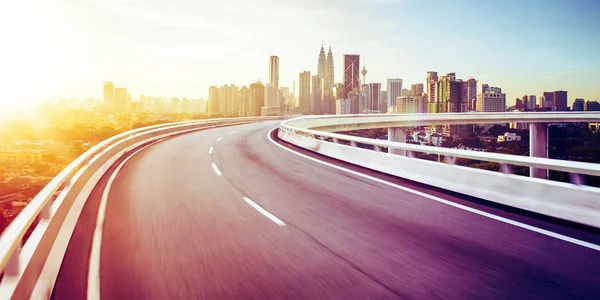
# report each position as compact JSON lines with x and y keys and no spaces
{"x":68,"y":48}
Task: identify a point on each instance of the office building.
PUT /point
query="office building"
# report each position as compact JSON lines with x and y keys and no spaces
{"x":471,"y":94}
{"x":548,"y":100}
{"x":329,"y":75}
{"x":109,"y":95}
{"x":560,"y":101}
{"x":351,"y":73}
{"x":579,"y":105}
{"x":245,"y":104}
{"x":317,"y":95}
{"x":274,"y":71}
{"x":257,"y":98}
{"x":120,"y":99}
{"x":342,"y":107}
{"x":394,"y":90}
{"x":213,"y":101}
{"x":592,"y":106}
{"x":431,"y":85}
{"x":373,"y":96}
{"x":271,"y":96}
{"x":491,"y":99}
{"x":304,"y":92}
{"x":416,"y":89}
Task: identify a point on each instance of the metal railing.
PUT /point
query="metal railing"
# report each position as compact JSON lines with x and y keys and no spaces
{"x":11,"y":239}
{"x":573,"y":167}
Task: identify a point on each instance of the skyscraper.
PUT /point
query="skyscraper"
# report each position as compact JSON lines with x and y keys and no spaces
{"x":304,"y":92}
{"x":491,"y":99}
{"x":415,"y":89}
{"x":471,"y":94}
{"x":317,"y":95}
{"x":274,"y":71}
{"x":394,"y":90}
{"x":351,"y":73}
{"x":322,"y":64}
{"x":109,"y":95}
{"x":271,"y":96}
{"x":373,"y":97}
{"x":244,"y":102}
{"x":329,"y":74}
{"x":548,"y":100}
{"x":431,"y":85}
{"x":257,"y":98}
{"x":579,"y":105}
{"x":223,"y":91}
{"x":120,"y":99}
{"x":213,"y":101}
{"x":560,"y":101}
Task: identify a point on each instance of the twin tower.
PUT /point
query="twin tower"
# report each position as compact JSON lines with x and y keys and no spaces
{"x":325,"y":70}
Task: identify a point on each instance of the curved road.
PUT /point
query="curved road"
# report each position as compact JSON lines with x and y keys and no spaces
{"x":265,"y":223}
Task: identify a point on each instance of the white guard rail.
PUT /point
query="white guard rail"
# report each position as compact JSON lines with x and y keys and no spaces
{"x":21,"y":265}
{"x":566,"y":201}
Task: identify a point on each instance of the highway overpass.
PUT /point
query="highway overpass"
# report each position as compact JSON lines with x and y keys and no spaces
{"x":255,"y":208}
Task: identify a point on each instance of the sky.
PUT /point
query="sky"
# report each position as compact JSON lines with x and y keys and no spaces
{"x":68,"y":48}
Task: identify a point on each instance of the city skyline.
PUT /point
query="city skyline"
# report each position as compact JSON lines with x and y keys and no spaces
{"x":50,"y":63}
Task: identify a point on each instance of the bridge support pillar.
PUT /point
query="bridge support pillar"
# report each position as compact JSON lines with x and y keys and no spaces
{"x":538,"y":147}
{"x":397,"y":134}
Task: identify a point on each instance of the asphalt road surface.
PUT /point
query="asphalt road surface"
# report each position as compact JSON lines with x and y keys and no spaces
{"x":226,"y":214}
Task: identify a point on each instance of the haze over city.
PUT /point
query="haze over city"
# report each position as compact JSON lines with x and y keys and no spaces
{"x":68,"y":48}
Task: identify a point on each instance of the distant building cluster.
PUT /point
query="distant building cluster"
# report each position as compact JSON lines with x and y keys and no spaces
{"x":117,"y":100}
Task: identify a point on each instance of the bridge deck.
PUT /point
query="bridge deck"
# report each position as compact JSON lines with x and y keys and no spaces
{"x":175,"y":229}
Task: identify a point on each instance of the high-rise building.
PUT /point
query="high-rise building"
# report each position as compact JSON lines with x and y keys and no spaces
{"x":592,"y":106}
{"x":382,"y":101}
{"x":317,"y":95}
{"x":416,"y":89}
{"x":223,"y":91}
{"x":120,"y":99}
{"x":338,"y":91}
{"x":330,"y":74}
{"x":274,"y":71}
{"x":491,"y":99}
{"x":351,"y":73}
{"x":245,"y":104}
{"x":471,"y":94}
{"x":342,"y":107}
{"x":304,"y":92}
{"x":213,"y":101}
{"x":257,"y":98}
{"x":560,"y":101}
{"x":322,"y":64}
{"x":531,"y":102}
{"x":373,"y":96}
{"x":579,"y":105}
{"x":271,"y":96}
{"x":109,"y":95}
{"x":431,"y":83}
{"x":362,"y":102}
{"x":448,"y":95}
{"x":394,"y":90}
{"x":548,"y":100}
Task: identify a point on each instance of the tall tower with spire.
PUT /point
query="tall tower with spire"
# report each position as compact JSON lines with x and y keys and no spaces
{"x":322,"y":66}
{"x":329,"y":71}
{"x":364,"y":72}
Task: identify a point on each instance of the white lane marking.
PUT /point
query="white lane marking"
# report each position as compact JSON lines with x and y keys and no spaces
{"x":232,"y":132}
{"x":264,"y":212}
{"x":447,"y":202}
{"x":217,"y":170}
{"x":219,"y":139}
{"x":210,"y":151}
{"x":93,"y":290}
